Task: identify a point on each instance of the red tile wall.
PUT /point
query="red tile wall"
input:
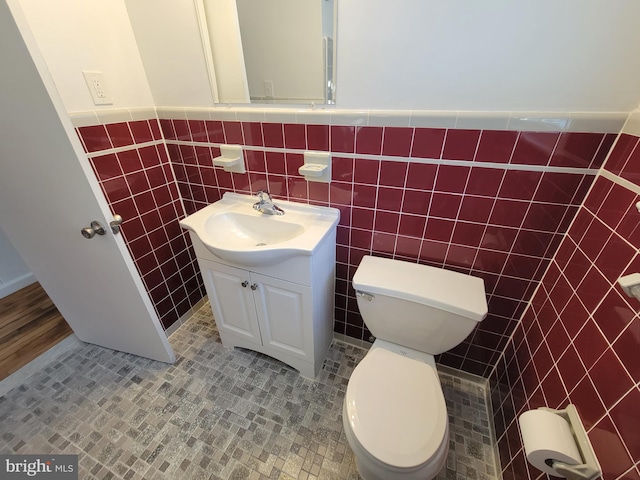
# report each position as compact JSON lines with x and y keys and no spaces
{"x":139,"y":184}
{"x":578,"y":341}
{"x":489,"y":203}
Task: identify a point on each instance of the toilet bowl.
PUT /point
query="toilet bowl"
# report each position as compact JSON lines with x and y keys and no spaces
{"x":396,"y":415}
{"x":394,"y":412}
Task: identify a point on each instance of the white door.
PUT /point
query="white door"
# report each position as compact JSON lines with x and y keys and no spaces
{"x":284,"y":312}
{"x":48,"y":194}
{"x":231,"y":298}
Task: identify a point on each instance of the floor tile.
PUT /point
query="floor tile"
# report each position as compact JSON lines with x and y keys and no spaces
{"x":217,"y":413}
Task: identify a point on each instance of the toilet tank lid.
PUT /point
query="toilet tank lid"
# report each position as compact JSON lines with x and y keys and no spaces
{"x":436,"y":287}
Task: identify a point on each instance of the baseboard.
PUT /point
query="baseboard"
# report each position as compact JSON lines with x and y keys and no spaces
{"x":16,"y":284}
{"x":486,"y":386}
{"x":352,"y":341}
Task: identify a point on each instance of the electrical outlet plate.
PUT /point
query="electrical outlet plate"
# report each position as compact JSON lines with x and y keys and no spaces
{"x":97,"y":87}
{"x":268,"y":89}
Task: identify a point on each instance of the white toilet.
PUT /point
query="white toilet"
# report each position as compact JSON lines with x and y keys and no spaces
{"x":394,"y":413}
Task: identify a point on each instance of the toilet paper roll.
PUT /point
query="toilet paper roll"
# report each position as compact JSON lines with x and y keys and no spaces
{"x":547,"y":436}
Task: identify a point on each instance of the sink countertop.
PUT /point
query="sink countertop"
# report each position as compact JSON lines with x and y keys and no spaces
{"x":232,"y":230}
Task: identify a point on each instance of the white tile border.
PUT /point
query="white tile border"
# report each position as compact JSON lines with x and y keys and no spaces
{"x":114,"y":116}
{"x":20,"y":376}
{"x":606,"y":122}
{"x":187,"y":315}
{"x":126,"y":148}
{"x":111,"y":115}
{"x":623,"y":182}
{"x":433,"y":119}
{"x":351,"y":118}
{"x":314,"y":117}
{"x":483,"y":121}
{"x":142,"y":113}
{"x":84,"y":119}
{"x":469,"y":377}
{"x":174,"y":112}
{"x":352,"y":341}
{"x":485,"y":384}
{"x":600,"y":122}
{"x":389,"y":118}
{"x":632,"y":127}
{"x":367,"y":156}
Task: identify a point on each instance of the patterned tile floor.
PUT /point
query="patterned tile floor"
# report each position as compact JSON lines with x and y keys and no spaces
{"x":216,"y":413}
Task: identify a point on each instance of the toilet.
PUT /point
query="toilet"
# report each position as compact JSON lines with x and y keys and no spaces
{"x":394,"y":414}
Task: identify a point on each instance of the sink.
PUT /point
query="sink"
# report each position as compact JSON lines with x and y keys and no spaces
{"x":246,"y":230}
{"x":233,"y":231}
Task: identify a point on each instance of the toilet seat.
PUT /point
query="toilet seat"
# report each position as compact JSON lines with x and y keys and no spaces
{"x":396,"y":409}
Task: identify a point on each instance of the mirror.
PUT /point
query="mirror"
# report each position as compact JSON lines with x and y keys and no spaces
{"x":269,"y":51}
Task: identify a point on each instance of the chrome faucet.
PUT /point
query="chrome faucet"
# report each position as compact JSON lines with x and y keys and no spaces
{"x":266,"y":205}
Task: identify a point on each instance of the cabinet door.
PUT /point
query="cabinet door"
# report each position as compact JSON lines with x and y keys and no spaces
{"x":232,"y":303}
{"x":285,"y":315}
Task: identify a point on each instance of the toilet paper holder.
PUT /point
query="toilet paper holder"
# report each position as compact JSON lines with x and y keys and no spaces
{"x":590,"y":469}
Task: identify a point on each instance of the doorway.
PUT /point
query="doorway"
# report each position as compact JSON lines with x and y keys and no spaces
{"x":30,"y":324}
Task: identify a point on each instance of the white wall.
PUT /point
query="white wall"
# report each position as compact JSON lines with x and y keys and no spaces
{"x":169,"y":42}
{"x":573,"y":55}
{"x":76,"y":35}
{"x":495,"y":55}
{"x":538,"y":55}
{"x":14,"y":273}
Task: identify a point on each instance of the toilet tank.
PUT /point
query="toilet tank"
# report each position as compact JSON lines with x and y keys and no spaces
{"x":421,"y":307}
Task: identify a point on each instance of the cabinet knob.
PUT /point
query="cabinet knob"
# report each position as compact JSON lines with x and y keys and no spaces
{"x":245,"y":284}
{"x":254,"y":286}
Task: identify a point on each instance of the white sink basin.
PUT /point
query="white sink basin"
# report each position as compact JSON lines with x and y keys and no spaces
{"x":232,"y":230}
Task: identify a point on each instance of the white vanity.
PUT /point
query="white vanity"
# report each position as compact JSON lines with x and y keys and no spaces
{"x":270,"y":279}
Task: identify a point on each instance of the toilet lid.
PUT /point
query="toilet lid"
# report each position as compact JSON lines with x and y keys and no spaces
{"x":396,"y":409}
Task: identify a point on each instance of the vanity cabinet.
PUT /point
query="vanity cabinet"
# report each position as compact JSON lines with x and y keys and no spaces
{"x":284,"y":310}
{"x":262,"y":310}
{"x":270,"y":278}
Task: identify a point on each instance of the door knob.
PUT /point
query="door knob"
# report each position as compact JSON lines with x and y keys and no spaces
{"x":96,"y":227}
{"x":245,"y":284}
{"x":254,"y":286}
{"x":115,"y":223}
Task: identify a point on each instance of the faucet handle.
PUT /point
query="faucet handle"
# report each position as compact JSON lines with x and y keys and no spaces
{"x":261,"y":195}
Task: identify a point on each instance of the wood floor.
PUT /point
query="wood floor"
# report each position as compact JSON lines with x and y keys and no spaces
{"x":30,"y":324}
